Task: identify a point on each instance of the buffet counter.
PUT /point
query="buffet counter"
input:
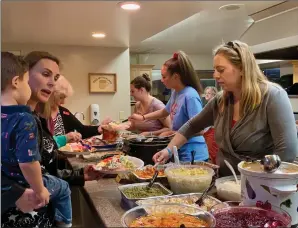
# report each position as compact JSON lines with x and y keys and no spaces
{"x":103,"y":197}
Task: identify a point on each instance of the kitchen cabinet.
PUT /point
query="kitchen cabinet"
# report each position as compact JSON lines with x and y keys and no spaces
{"x":295,"y":71}
{"x":139,"y":69}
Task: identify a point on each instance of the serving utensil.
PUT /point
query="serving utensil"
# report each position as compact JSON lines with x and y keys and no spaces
{"x":271,"y":163}
{"x":232,"y":170}
{"x":176,"y":156}
{"x":200,"y":201}
{"x":193,"y":157}
{"x":153,"y":179}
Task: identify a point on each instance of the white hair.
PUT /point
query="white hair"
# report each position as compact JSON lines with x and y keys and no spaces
{"x":63,"y":87}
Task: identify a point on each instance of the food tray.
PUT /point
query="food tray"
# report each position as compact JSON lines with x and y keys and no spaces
{"x":227,"y":194}
{"x":189,"y":196}
{"x":140,"y":179}
{"x":208,"y":164}
{"x":189,"y":183}
{"x":131,"y":202}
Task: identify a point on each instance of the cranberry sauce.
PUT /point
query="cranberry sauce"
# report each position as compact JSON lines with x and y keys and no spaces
{"x":248,"y":218}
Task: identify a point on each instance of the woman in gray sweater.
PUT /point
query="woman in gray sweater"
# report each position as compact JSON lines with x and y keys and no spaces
{"x":252,"y":117}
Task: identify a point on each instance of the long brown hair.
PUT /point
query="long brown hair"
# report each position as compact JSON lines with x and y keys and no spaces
{"x":181,"y":65}
{"x":254,"y":84}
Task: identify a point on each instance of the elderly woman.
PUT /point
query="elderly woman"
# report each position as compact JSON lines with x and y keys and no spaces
{"x":43,"y":73}
{"x":252,"y":117}
{"x":140,"y":88}
{"x":59,"y":119}
{"x":210,"y":92}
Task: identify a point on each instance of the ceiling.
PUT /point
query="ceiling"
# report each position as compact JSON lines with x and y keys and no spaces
{"x":158,"y":27}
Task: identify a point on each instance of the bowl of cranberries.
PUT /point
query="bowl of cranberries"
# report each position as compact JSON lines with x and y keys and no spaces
{"x":263,"y":215}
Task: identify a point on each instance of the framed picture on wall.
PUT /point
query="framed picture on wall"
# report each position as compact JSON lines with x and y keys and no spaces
{"x":102,"y":83}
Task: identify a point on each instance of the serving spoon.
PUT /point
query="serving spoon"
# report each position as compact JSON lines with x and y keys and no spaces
{"x":200,"y":201}
{"x":232,"y":170}
{"x":271,"y":163}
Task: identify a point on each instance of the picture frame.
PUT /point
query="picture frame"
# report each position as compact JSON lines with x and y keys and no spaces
{"x":102,"y":82}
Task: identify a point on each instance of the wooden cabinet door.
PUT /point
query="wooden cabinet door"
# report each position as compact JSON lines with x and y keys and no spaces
{"x":146,"y":71}
{"x":134,"y":72}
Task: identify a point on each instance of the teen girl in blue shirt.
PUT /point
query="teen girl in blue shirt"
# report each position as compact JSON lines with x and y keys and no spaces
{"x":179,"y":75}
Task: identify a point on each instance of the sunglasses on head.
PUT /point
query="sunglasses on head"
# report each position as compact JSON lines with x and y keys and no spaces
{"x":233,"y":45}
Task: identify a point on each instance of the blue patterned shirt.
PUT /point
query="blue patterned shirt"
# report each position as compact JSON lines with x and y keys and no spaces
{"x":19,"y":140}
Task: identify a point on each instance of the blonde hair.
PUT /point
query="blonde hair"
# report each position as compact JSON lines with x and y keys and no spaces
{"x":254,"y":84}
{"x":214,"y":90}
{"x":62,"y":87}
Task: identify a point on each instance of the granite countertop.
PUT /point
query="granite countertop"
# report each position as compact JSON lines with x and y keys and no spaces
{"x":104,"y":196}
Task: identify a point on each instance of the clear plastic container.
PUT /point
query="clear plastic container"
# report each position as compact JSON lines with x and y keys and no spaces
{"x":143,"y":210}
{"x":189,"y":178}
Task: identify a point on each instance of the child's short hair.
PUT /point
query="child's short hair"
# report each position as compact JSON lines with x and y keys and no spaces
{"x":11,"y":66}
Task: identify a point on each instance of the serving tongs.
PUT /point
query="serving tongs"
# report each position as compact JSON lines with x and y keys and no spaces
{"x":154,"y":176}
{"x":153,"y":179}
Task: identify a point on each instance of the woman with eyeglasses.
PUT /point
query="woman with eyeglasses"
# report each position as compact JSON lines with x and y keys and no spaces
{"x":252,"y":117}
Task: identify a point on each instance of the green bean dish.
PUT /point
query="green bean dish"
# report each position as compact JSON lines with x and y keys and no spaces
{"x":138,"y":192}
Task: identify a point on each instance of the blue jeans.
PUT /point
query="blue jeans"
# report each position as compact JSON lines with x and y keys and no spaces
{"x":60,"y":198}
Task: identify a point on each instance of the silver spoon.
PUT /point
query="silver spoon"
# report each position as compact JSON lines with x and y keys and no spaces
{"x":270,"y":163}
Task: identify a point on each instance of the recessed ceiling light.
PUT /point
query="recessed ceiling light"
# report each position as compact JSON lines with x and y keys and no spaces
{"x":231,"y":7}
{"x":98,"y":35}
{"x":130,"y":5}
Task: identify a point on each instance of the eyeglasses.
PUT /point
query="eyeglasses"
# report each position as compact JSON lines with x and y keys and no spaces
{"x":233,"y":45}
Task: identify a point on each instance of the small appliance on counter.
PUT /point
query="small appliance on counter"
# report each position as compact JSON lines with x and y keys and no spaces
{"x":278,"y":189}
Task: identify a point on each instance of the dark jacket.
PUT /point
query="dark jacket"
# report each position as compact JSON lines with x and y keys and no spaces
{"x":71,"y":123}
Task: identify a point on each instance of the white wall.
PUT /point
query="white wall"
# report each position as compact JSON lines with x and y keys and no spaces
{"x":200,"y":62}
{"x":77,"y":62}
{"x":286,"y":70}
{"x":294,"y":103}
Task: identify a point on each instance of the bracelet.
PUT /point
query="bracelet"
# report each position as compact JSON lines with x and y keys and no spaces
{"x":169,"y":151}
{"x":143,"y":117}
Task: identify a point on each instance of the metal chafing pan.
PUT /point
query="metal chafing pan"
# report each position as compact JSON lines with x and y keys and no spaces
{"x":131,"y":202}
{"x":159,"y":199}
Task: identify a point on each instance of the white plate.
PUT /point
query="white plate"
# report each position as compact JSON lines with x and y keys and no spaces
{"x":136,"y":161}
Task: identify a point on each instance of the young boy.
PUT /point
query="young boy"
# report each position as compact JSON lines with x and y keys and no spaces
{"x":19,"y":141}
